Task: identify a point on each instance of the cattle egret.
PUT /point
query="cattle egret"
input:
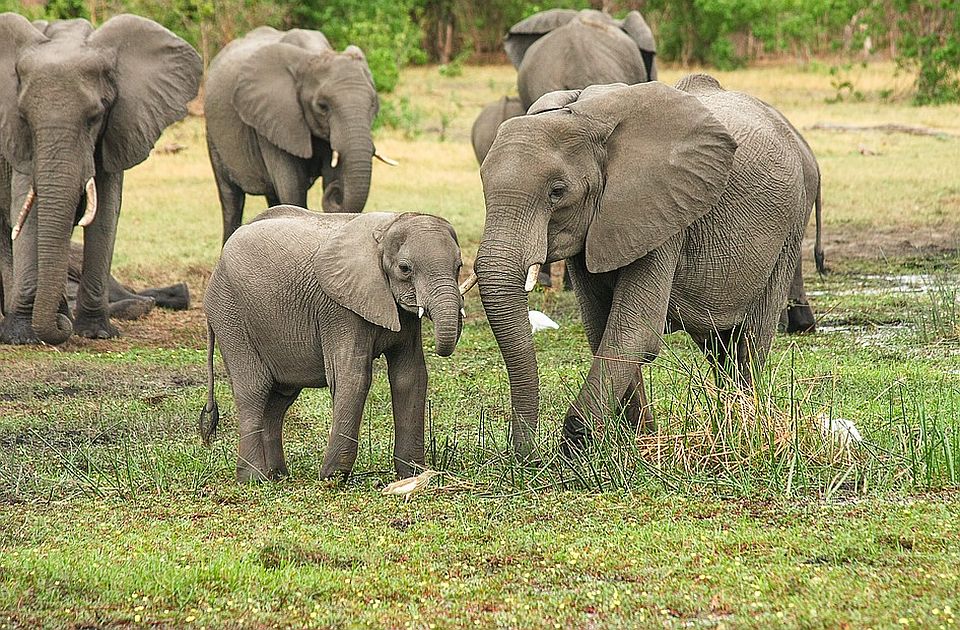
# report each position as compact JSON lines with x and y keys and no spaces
{"x":539,"y":321}
{"x":407,"y":487}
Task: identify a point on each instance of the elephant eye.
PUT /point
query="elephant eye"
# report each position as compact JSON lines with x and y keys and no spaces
{"x":405,"y":268}
{"x":323,"y":107}
{"x":556,"y":192}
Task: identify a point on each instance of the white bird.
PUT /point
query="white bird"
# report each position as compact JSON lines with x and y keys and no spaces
{"x":539,"y":321}
{"x":407,"y":487}
{"x":843,"y":430}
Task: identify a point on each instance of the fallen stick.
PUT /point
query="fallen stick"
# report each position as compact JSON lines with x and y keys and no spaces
{"x":885,"y":128}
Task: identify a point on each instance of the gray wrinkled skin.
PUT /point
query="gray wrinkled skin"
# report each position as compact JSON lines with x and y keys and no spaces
{"x":277,"y":105}
{"x":301,"y":299}
{"x":76,"y":103}
{"x":706,"y":241}
{"x":485,"y":127}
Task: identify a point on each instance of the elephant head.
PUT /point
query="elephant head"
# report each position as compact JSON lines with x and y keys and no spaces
{"x":380,"y":260}
{"x":296,"y":92}
{"x":77,"y":103}
{"x":609,"y":174}
{"x":525,"y":33}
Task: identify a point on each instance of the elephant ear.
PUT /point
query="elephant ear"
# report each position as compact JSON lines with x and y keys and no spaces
{"x":524,"y":33}
{"x":639,"y":31}
{"x":350,"y":270}
{"x":668,"y":159}
{"x":267,"y":97}
{"x":156,"y":75}
{"x":16,"y":34}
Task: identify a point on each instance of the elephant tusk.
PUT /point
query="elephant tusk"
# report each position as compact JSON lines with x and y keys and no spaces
{"x":385,"y":159}
{"x":531,"y":277}
{"x":91,"y":212}
{"x":22,"y":217}
{"x":335,"y":159}
{"x":463,"y":312}
{"x":468,"y":284}
{"x":420,"y":312}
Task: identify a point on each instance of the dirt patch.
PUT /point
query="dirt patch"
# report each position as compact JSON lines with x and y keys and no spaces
{"x":856,"y":243}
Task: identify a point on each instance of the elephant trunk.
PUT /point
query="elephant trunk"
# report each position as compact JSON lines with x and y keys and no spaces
{"x":356,"y":163}
{"x":444,"y":305}
{"x":60,"y":176}
{"x":502,"y":277}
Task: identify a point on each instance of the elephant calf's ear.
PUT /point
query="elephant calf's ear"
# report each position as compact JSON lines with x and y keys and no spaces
{"x":350,"y":272}
{"x":668,"y":161}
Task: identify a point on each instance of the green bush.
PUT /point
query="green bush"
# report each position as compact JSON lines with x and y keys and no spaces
{"x":930,"y":43}
{"x":382,"y":28}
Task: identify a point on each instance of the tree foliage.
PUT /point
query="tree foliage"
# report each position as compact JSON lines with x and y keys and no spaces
{"x":923,"y":35}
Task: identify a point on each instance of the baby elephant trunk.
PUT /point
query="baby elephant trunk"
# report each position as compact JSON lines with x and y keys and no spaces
{"x":444,"y":308}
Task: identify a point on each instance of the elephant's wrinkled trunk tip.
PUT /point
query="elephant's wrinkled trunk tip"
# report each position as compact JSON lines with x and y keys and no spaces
{"x":24,"y":211}
{"x":469,"y":283}
{"x":532,"y":274}
{"x":91,"y":212}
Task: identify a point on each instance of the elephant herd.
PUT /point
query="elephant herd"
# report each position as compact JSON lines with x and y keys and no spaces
{"x":674,"y":208}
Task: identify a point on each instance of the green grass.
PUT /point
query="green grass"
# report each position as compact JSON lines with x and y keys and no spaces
{"x":737,"y":512}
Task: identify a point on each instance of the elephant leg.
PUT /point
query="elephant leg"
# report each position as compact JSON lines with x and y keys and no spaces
{"x":631,"y":338}
{"x":348,"y":388}
{"x":232,"y":197}
{"x":175,"y":297}
{"x":407,"y":372}
{"x":288,"y":174}
{"x":251,"y":455}
{"x":6,"y":245}
{"x":276,"y":407}
{"x":799,"y":315}
{"x":93,"y":303}
{"x":753,"y":342}
{"x":17,"y":327}
{"x":718,"y":347}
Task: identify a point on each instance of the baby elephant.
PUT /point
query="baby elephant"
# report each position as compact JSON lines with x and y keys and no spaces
{"x":301,"y":299}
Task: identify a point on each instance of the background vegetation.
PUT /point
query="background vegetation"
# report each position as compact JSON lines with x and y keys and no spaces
{"x":923,"y":36}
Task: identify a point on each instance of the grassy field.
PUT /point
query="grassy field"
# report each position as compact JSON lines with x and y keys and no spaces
{"x":113,"y":514}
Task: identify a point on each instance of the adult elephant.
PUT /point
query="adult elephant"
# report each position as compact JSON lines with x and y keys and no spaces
{"x":563,"y":49}
{"x":78,"y":106}
{"x":485,"y":127}
{"x":679,"y":208}
{"x":282,"y":109}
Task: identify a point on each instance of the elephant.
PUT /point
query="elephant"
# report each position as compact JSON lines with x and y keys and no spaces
{"x":564,"y":49}
{"x":485,"y":126}
{"x":282,"y":109}
{"x":676,"y":208}
{"x":302,"y":299}
{"x":78,"y":106}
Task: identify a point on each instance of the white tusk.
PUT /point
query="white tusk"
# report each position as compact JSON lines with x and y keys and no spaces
{"x":91,"y":211}
{"x":468,"y":284}
{"x":420,"y":314}
{"x":385,"y":159}
{"x":463,"y":312}
{"x":22,"y":217}
{"x":531,"y":277}
{"x":335,"y":159}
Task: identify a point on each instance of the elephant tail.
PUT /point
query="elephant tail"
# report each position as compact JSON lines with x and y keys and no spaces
{"x":818,"y":246}
{"x":210,"y":416}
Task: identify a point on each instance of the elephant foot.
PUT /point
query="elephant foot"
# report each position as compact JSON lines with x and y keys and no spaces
{"x":131,"y":309}
{"x":17,"y":331}
{"x":176,"y":297}
{"x":575,"y":437}
{"x":800,"y":319}
{"x":95,"y":327}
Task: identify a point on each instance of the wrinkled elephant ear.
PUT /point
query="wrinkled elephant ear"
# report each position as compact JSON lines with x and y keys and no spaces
{"x":552,"y":101}
{"x":156,"y":75}
{"x":16,"y":34}
{"x":639,"y":31}
{"x":668,"y":159}
{"x":523,"y":34}
{"x":350,"y":272}
{"x":267,"y":97}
